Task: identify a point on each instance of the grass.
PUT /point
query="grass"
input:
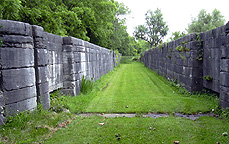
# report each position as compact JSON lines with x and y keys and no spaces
{"x":140,"y":89}
{"x":128,"y":59}
{"x":130,"y":85}
{"x":142,"y":130}
{"x":28,"y":127}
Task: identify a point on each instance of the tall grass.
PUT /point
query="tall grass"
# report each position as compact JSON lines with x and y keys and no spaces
{"x":86,"y":85}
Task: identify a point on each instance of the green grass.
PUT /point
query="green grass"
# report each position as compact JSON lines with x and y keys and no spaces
{"x":206,"y":130}
{"x":128,"y":59}
{"x":140,"y":89}
{"x":28,"y":127}
{"x":130,"y":85}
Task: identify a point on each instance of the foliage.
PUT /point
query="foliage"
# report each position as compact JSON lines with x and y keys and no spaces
{"x":127,"y":59}
{"x":181,"y":48}
{"x":1,"y":43}
{"x":154,"y":30}
{"x":208,"y":78}
{"x":86,"y":85}
{"x":176,"y":35}
{"x":57,"y":101}
{"x":32,"y":127}
{"x":200,"y":48}
{"x":160,"y":45}
{"x":206,"y":21}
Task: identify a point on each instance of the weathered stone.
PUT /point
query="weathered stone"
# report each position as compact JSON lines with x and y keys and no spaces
{"x":38,"y":31}
{"x":16,"y":57}
{"x":43,"y":75}
{"x":15,"y":28}
{"x":224,"y":65}
{"x":42,"y":57}
{"x":19,"y":94}
{"x":45,"y":100}
{"x":17,"y":39}
{"x":28,"y":104}
{"x":224,"y":79}
{"x":14,"y":79}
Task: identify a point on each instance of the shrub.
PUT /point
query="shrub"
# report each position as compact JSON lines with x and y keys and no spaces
{"x":86,"y":85}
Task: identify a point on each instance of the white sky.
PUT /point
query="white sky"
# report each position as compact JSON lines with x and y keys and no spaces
{"x":177,"y":13}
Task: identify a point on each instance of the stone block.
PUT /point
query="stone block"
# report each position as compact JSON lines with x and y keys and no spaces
{"x":19,"y":94}
{"x":16,"y":57}
{"x":28,"y":104}
{"x":42,"y":57}
{"x":55,"y":39}
{"x":15,"y":28}
{"x":72,"y":41}
{"x":77,"y":57}
{"x":69,"y":84}
{"x":38,"y":31}
{"x":17,"y":39}
{"x":224,"y":65}
{"x":224,"y":79}
{"x":40,"y":43}
{"x":224,"y":52}
{"x":43,"y":88}
{"x":43,"y":74}
{"x":44,"y":99}
{"x":223,"y":104}
{"x":80,"y":49}
{"x":18,"y":78}
{"x":72,"y":77}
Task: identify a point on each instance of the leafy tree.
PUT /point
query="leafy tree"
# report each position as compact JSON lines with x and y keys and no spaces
{"x":176,"y":35}
{"x":120,"y":38}
{"x":206,"y":21}
{"x":154,"y":30}
{"x":101,"y":22}
{"x":9,"y":9}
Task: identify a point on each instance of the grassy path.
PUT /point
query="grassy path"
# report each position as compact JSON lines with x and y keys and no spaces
{"x":130,"y":85}
{"x":134,"y":88}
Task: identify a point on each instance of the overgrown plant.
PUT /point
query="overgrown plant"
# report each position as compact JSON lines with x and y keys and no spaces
{"x":86,"y":85}
{"x":160,"y":46}
{"x":208,"y":78}
{"x":182,"y":48}
{"x":57,"y":101}
{"x":116,"y":56}
{"x":200,"y":49}
{"x":1,"y":43}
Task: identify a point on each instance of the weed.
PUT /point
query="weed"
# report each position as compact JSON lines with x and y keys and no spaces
{"x":200,"y":49}
{"x":86,"y":85}
{"x":160,"y":46}
{"x":208,"y":78}
{"x":126,"y":59}
{"x":57,"y":101}
{"x":1,"y":43}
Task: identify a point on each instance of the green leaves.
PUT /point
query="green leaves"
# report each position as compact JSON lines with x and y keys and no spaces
{"x":206,"y":21}
{"x":154,"y":30}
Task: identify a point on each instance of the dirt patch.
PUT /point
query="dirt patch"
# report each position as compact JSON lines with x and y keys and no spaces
{"x":151,"y":115}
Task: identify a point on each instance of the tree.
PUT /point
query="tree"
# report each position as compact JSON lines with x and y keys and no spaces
{"x":154,"y":30}
{"x":206,"y":21}
{"x":176,"y":35}
{"x":120,"y":38}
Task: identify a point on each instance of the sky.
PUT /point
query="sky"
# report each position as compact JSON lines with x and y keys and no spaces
{"x":177,"y":13}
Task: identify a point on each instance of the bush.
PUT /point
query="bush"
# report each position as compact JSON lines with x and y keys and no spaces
{"x":86,"y":85}
{"x":57,"y":101}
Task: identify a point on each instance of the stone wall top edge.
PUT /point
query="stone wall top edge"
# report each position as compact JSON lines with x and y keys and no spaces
{"x":15,"y":28}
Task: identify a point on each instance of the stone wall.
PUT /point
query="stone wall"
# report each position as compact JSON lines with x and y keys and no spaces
{"x":196,"y":61}
{"x":34,"y":63}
